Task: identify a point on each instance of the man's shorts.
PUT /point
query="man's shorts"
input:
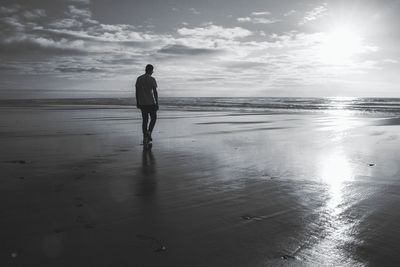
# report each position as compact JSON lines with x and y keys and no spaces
{"x":148,"y":108}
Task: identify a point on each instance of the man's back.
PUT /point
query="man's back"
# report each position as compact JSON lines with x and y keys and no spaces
{"x":145,"y":84}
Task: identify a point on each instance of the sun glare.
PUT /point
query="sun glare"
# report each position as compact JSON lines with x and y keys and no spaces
{"x":334,"y":171}
{"x":340,"y":45}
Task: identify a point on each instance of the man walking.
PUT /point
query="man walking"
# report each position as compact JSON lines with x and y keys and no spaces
{"x":147,"y":101}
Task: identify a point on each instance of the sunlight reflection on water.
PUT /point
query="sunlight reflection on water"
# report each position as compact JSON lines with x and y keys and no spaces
{"x":335,"y":170}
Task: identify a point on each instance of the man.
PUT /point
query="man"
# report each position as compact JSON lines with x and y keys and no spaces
{"x":147,"y":101}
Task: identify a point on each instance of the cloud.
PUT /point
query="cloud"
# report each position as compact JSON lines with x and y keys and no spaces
{"x":194,"y":11}
{"x":78,"y":69}
{"x":101,"y":37}
{"x":314,"y":14}
{"x":303,"y":52}
{"x":8,"y":67}
{"x":258,"y":18}
{"x":244,"y":19}
{"x":215,"y":31}
{"x":76,"y":44}
{"x":75,"y":12}
{"x":12,"y":24}
{"x":81,"y":1}
{"x":118,"y":60}
{"x":35,"y":13}
{"x":9,"y":10}
{"x":390,"y":61}
{"x":185,"y":50}
{"x":289,"y":13}
{"x":66,"y":24}
{"x":262,"y":13}
{"x":62,"y":44}
{"x":244,"y":64}
{"x":28,"y":44}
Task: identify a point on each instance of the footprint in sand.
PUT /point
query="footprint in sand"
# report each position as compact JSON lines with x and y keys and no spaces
{"x":159,"y":246}
{"x":59,"y":230}
{"x":264,"y":217}
{"x":251,"y":217}
{"x":122,"y":150}
{"x":17,"y":161}
{"x":81,"y":220}
{"x":90,"y":225}
{"x":288,"y":257}
{"x":78,"y":202}
{"x":79,"y":177}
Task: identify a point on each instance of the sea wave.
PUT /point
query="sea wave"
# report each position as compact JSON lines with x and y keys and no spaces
{"x":391,"y":105}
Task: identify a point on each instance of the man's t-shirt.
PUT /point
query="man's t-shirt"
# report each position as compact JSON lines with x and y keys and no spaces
{"x":145,"y":84}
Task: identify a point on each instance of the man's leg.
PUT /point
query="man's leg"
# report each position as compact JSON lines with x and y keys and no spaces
{"x":153,"y":118}
{"x":145,"y":121}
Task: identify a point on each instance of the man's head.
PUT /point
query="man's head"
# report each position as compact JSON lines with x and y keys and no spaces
{"x":149,"y":69}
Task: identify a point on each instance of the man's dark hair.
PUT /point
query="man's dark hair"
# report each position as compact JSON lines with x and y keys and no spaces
{"x":149,"y":68}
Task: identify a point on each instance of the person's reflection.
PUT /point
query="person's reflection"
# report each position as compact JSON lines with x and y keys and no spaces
{"x":147,"y":185}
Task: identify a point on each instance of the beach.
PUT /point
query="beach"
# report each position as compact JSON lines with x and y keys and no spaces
{"x":227,"y":187}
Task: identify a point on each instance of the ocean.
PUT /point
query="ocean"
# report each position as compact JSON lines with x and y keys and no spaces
{"x":385,"y":105}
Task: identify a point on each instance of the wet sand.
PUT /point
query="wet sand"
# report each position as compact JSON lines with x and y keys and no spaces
{"x":217,"y":188}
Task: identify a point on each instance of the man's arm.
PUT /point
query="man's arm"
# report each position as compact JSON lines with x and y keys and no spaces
{"x":136,"y":95}
{"x":155,"y":92}
{"x":156,"y":97}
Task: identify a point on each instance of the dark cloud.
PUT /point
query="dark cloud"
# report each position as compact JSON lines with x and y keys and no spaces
{"x":80,"y":1}
{"x":91,"y":38}
{"x":66,"y":24}
{"x":185,"y":50}
{"x":43,"y":46}
{"x":11,"y":25}
{"x":119,"y":61}
{"x":75,"y":12}
{"x":9,"y":9}
{"x":78,"y":69}
{"x":58,"y":34}
{"x":35,"y":13}
{"x":7,"y":68}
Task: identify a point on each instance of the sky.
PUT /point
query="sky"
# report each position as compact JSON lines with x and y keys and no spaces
{"x":260,"y":48}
